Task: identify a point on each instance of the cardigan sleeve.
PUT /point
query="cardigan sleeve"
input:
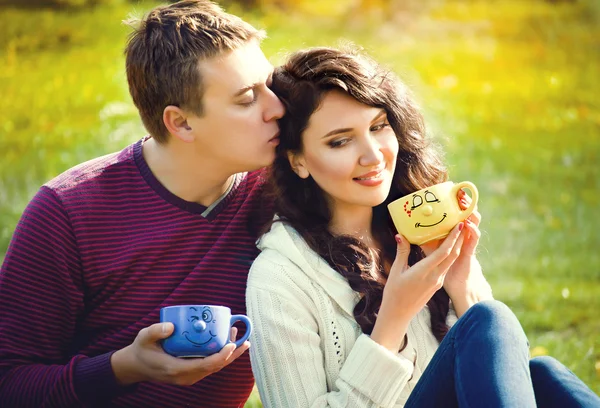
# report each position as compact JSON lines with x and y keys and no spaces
{"x":287,"y":351}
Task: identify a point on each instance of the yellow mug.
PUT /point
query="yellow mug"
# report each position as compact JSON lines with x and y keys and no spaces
{"x":432,"y":212}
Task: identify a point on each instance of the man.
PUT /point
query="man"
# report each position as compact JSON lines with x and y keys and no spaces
{"x":169,"y":220}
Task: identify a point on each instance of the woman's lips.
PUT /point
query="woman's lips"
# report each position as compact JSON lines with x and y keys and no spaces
{"x":370,"y":179}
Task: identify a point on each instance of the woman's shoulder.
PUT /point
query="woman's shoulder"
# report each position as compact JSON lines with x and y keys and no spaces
{"x":283,"y":245}
{"x":273,"y":269}
{"x":270,"y":260}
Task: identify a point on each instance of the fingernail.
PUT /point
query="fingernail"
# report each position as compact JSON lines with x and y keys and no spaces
{"x":398,"y":239}
{"x":165,"y":328}
{"x":461,"y":226}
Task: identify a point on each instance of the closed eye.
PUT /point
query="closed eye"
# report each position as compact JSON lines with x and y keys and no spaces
{"x":379,"y":126}
{"x":250,"y":94}
{"x":338,"y":142}
{"x":417,"y":201}
{"x":430,"y":197}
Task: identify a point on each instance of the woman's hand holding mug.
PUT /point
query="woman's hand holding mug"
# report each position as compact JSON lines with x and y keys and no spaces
{"x":408,"y":289}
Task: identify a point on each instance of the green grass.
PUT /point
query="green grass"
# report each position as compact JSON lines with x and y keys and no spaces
{"x":508,"y":87}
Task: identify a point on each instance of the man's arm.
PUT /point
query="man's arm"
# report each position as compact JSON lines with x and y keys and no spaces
{"x":41,"y":300}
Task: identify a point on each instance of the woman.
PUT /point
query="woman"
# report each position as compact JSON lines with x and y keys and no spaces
{"x":343,"y":315}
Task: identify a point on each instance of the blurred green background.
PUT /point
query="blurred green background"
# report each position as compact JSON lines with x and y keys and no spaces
{"x":510,"y":88}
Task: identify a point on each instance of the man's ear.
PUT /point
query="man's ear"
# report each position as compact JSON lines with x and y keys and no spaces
{"x":298,"y":164}
{"x":176,"y":123}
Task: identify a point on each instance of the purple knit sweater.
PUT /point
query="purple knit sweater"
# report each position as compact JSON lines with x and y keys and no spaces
{"x":98,"y":251}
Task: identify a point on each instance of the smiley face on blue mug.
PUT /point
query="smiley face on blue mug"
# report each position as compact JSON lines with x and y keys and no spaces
{"x":202,"y":330}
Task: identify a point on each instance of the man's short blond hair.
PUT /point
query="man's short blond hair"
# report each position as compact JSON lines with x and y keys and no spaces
{"x":164,"y":51}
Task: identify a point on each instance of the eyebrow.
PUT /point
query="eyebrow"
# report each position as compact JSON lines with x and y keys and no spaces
{"x":344,"y":130}
{"x":245,"y":89}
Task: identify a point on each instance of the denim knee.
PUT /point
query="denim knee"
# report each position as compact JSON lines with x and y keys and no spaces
{"x":499,"y":317}
{"x":491,"y":310}
{"x":545,"y":364}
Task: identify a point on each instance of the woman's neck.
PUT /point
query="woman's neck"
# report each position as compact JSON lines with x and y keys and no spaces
{"x":355,"y":222}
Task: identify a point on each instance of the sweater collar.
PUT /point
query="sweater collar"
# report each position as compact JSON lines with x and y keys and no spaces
{"x":209,"y":213}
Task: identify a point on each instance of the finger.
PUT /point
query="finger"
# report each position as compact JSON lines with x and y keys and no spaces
{"x":445,"y":249}
{"x":199,"y":368}
{"x":475,"y":217}
{"x":431,"y":246}
{"x":155,"y":332}
{"x":238,"y":352}
{"x":402,"y":250}
{"x":207,"y":365}
{"x":456,"y":251}
{"x":221,"y":357}
{"x":226,"y":356}
{"x":233,"y":333}
{"x":470,"y":244}
{"x":464,"y":200}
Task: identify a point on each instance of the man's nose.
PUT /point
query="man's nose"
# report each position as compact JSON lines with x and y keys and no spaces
{"x":275,"y":109}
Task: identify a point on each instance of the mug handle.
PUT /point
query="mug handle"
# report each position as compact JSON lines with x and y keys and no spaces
{"x":474,"y":196}
{"x":246,"y":321}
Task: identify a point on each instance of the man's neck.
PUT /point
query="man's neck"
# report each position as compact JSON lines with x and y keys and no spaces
{"x":175,"y":167}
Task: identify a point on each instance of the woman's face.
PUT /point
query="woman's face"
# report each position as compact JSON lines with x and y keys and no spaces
{"x":350,"y":151}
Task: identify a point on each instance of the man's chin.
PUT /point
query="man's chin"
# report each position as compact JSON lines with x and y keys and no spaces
{"x":255,"y":166}
{"x":266,"y":162}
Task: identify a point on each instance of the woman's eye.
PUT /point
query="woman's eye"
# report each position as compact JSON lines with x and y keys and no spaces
{"x":379,"y":126}
{"x":338,"y":142}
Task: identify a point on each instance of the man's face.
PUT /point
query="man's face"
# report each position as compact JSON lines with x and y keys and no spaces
{"x":238,"y":128}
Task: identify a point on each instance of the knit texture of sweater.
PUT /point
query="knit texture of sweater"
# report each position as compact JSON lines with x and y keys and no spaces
{"x":96,"y":254}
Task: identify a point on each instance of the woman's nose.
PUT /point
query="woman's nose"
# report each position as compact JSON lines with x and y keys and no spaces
{"x":371,"y":155}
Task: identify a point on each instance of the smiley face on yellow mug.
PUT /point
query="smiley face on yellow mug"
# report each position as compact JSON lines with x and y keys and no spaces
{"x":432,"y":212}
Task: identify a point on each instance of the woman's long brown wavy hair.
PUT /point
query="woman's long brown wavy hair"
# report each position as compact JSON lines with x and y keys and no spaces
{"x":301,"y":84}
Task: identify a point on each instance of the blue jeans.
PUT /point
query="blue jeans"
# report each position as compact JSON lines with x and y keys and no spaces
{"x":484,"y":362}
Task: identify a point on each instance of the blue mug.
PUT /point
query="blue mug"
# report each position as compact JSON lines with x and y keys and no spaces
{"x":200,"y":330}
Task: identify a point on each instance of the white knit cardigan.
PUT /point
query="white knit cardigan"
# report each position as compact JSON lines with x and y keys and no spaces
{"x":307,"y":350}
